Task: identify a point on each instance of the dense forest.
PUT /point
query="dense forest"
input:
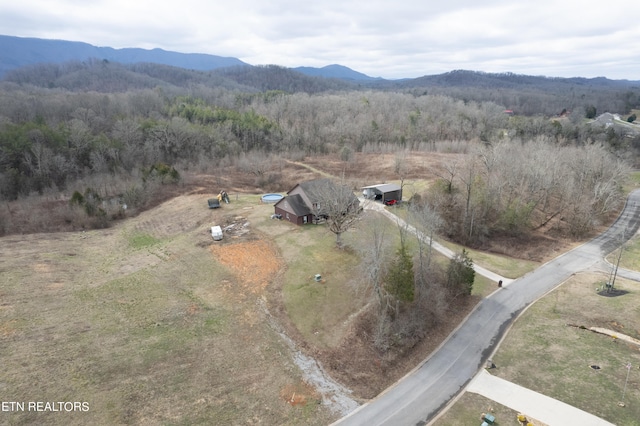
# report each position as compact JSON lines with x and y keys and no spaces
{"x":83,"y":121}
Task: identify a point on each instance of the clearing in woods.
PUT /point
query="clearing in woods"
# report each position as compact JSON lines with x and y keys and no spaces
{"x":152,"y":322}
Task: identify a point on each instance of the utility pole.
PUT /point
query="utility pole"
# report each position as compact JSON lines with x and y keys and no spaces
{"x":614,"y":272}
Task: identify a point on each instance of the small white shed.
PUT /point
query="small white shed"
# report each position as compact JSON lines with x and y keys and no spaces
{"x":216,"y":233}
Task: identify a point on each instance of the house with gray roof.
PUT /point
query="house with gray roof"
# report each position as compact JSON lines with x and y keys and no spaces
{"x":303,"y":203}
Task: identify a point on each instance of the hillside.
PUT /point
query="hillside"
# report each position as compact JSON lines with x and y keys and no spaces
{"x":525,"y":95}
{"x":337,"y":71}
{"x":17,"y":52}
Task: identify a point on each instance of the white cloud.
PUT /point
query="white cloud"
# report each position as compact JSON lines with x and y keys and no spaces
{"x":377,"y":37}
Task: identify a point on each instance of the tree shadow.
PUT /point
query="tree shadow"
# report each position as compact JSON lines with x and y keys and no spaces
{"x":614,"y":292}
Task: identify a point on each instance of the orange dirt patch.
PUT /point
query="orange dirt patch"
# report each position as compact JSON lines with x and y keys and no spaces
{"x":253,"y":262}
{"x":299,"y":394}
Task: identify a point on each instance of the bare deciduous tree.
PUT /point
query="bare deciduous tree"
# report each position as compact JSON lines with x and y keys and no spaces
{"x":337,"y":204}
{"x":427,"y":223}
{"x":373,"y":246}
{"x":515,"y":187}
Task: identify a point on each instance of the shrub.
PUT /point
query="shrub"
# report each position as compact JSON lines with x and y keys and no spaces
{"x":460,"y":274}
{"x":77,"y":198}
{"x":162,"y":172}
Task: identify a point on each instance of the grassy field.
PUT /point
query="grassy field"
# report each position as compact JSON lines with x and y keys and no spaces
{"x":630,"y":258}
{"x":319,"y":308}
{"x":469,"y":408}
{"x":151,"y":322}
{"x":147,"y":324}
{"x":543,"y":353}
{"x":508,"y":267}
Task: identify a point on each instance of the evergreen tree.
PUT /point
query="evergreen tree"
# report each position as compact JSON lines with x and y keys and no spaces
{"x":460,"y":274}
{"x":400,"y":281}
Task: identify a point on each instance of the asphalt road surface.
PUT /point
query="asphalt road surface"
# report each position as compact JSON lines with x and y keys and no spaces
{"x":419,"y":396}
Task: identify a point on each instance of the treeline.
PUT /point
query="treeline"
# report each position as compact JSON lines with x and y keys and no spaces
{"x":511,"y":189}
{"x":531,"y":95}
{"x":525,"y":95}
{"x":107,"y":77}
{"x":49,"y":137}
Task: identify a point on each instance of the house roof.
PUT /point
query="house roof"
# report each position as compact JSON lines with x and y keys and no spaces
{"x":313,"y":186}
{"x":297,"y":204}
{"x":317,"y":192}
{"x":384,"y":187}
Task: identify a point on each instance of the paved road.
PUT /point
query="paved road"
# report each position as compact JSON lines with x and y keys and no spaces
{"x":419,"y":396}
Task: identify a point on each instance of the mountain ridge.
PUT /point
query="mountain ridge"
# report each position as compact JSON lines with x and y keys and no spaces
{"x":20,"y":52}
{"x":17,"y":52}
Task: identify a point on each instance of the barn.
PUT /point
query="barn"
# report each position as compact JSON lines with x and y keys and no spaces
{"x":382,"y":192}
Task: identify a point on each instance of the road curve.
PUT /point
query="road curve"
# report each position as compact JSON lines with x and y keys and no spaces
{"x":419,"y":396}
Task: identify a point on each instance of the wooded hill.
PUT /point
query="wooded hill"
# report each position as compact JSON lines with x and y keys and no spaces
{"x":525,"y":95}
{"x":69,"y":125}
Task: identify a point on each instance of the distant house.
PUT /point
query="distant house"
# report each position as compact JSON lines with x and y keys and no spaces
{"x":304,"y":202}
{"x":383,"y":192}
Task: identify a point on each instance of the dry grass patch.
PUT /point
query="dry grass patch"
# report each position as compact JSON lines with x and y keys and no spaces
{"x":468,"y":409}
{"x":139,"y":322}
{"x":630,"y":258}
{"x":541,"y":352}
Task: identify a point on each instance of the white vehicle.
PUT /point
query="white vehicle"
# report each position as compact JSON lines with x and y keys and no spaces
{"x":216,"y":233}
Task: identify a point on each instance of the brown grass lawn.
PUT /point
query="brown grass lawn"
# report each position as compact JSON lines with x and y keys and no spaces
{"x":468,"y":409}
{"x":148,"y":322}
{"x":543,"y":353}
{"x":151,"y":322}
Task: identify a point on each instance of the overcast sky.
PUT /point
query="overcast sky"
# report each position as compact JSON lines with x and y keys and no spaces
{"x":390,"y":39}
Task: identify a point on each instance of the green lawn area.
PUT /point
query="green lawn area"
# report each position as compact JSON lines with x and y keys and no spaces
{"x":508,"y":267}
{"x":630,"y":258}
{"x":543,"y":353}
{"x":469,"y":408}
{"x":318,"y":308}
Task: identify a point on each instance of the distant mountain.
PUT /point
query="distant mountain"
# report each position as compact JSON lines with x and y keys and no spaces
{"x":336,"y":71}
{"x":17,"y":52}
{"x":508,"y":80}
{"x":80,"y":66}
